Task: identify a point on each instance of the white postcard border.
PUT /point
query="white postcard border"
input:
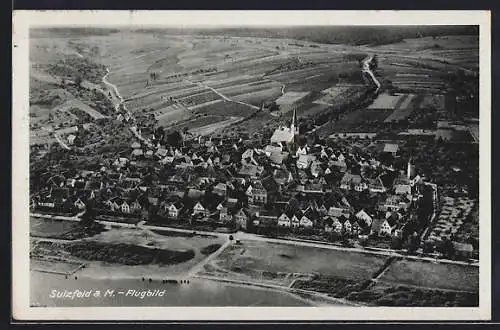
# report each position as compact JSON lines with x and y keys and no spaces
{"x":23,"y":20}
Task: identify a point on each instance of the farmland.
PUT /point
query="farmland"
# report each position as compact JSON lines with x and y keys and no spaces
{"x":175,"y":77}
{"x":196,"y":72}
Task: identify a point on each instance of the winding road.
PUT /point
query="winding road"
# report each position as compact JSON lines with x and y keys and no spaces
{"x":366,"y":69}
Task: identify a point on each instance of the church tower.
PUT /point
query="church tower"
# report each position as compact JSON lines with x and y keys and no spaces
{"x":294,"y":128}
{"x":410,"y":171}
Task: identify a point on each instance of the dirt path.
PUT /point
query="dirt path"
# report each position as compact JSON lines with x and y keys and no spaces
{"x":198,"y":267}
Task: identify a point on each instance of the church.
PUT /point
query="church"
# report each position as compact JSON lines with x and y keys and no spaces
{"x":287,"y":135}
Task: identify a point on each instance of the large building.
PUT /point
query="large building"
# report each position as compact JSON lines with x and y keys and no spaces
{"x":286,"y":135}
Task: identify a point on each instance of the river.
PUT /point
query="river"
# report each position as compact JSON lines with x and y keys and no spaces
{"x":198,"y":292}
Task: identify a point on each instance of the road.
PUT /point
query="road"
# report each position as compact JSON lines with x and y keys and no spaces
{"x":253,"y":237}
{"x":61,"y":142}
{"x":434,"y":210}
{"x":366,"y":69}
{"x":116,"y":98}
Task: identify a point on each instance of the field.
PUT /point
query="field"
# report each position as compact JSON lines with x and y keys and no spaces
{"x":53,"y":266}
{"x":433,"y":275}
{"x":283,"y":263}
{"x":195,"y":72}
{"x":120,"y":249}
{"x":44,"y":227}
{"x":421,"y":65}
{"x":360,"y":120}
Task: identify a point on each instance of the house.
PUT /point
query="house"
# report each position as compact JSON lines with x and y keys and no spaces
{"x":282,"y":176}
{"x":241,"y":219}
{"x":249,"y":170}
{"x":382,"y":227}
{"x":153,"y":200}
{"x":224,"y":215}
{"x":353,"y":181}
{"x":402,"y":185}
{"x":394,"y":203}
{"x":256,"y":193}
{"x":304,"y":161}
{"x":355,"y":228}
{"x":313,"y":188}
{"x":347,"y":226}
{"x":267,"y":219}
{"x":339,"y":211}
{"x":137,"y":153}
{"x":71,"y":139}
{"x":337,"y":226}
{"x":200,"y":209}
{"x":284,"y":221}
{"x":295,"y":221}
{"x":305,"y":222}
{"x":301,"y":150}
{"x":125,"y":207}
{"x":316,"y":169}
{"x":278,"y":158}
{"x":161,"y":153}
{"x":376,"y":185}
{"x":365,"y":217}
{"x":391,"y":148}
{"x":80,"y":204}
{"x":220,"y":189}
{"x":174,"y":209}
{"x":135,"y":206}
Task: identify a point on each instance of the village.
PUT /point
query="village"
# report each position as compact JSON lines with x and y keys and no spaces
{"x":291,"y":187}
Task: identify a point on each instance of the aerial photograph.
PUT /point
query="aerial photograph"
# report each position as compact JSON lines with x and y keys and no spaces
{"x":254,"y":166}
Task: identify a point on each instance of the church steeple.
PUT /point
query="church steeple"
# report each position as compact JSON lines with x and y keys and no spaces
{"x":294,"y":127}
{"x":409,"y":169}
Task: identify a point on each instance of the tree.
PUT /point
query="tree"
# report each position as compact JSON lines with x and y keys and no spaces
{"x":412,"y":243}
{"x":396,"y":243}
{"x":428,"y":247}
{"x":174,"y":139}
{"x":447,"y":248}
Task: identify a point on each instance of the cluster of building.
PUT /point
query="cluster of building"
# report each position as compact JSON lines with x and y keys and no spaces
{"x":281,"y":186}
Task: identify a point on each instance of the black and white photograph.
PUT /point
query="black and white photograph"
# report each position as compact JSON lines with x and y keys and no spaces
{"x":170,"y":161}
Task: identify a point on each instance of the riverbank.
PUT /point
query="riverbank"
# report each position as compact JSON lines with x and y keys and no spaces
{"x":197,"y":292}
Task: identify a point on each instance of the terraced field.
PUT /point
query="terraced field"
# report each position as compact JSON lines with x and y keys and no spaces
{"x":177,"y":77}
